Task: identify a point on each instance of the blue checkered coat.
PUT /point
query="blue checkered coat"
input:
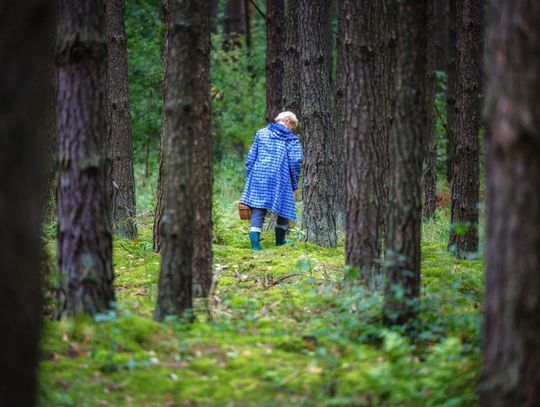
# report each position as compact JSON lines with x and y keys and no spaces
{"x":273,"y":170}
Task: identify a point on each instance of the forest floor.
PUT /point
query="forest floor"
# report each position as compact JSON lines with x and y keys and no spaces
{"x":282,"y":328}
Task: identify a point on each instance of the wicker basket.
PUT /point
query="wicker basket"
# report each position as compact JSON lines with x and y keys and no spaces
{"x":244,"y":211}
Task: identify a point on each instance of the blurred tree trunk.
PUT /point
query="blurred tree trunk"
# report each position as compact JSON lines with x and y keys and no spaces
{"x":291,"y":57}
{"x":202,"y":163}
{"x":26,"y":55}
{"x":465,"y":177}
{"x":120,"y":149}
{"x":275,"y":41}
{"x":234,"y":26}
{"x":441,"y":35}
{"x":184,"y":31}
{"x":84,"y":231}
{"x":511,"y":361}
{"x":319,"y":142}
{"x":366,"y":68}
{"x":214,"y":10}
{"x":248,"y":17}
{"x":429,"y":179}
{"x":405,"y":194}
{"x":160,"y":200}
{"x":451,"y":87}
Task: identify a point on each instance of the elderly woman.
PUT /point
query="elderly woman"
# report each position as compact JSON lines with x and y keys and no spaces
{"x":273,"y":170}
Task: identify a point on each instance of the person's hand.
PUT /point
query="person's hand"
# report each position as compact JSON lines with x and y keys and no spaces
{"x":298,"y":194}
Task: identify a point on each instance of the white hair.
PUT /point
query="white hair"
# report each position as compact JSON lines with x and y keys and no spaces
{"x":284,"y":117}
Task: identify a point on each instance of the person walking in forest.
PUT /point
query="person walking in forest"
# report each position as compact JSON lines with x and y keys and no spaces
{"x":272,"y":173}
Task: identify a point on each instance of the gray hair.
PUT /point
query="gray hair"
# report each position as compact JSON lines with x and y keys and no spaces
{"x":284,"y":117}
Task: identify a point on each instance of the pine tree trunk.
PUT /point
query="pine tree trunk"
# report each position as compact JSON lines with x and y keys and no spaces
{"x":84,"y":231}
{"x":275,"y":41}
{"x":366,"y":69}
{"x":26,"y":55}
{"x":180,"y":106}
{"x":465,"y":185}
{"x":291,"y":64}
{"x":441,"y":35}
{"x":120,"y":150}
{"x":405,"y":194}
{"x":233,"y":23}
{"x":451,"y":87}
{"x":202,"y":164}
{"x":160,"y":199}
{"x":511,"y":361}
{"x":429,"y":179}
{"x":214,"y":8}
{"x":319,"y":142}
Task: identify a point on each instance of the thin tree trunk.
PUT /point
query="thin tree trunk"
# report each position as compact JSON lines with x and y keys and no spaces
{"x":368,"y":28}
{"x":402,"y":261}
{"x":465,"y":185}
{"x":429,"y":179}
{"x":214,"y":9}
{"x":451,"y":88}
{"x":26,"y":55}
{"x":441,"y":35}
{"x":202,"y":164}
{"x":320,"y":145}
{"x":511,"y":360}
{"x":233,"y":23}
{"x":84,"y":231}
{"x":291,"y":64}
{"x":160,"y":193}
{"x":275,"y":41}
{"x":248,"y":17}
{"x":120,"y":149}
{"x":180,"y":106}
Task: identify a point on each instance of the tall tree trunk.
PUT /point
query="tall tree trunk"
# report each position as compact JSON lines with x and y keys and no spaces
{"x":248,"y":17}
{"x":429,"y":179}
{"x":84,"y":231}
{"x":26,"y":51}
{"x":233,"y":23}
{"x":160,"y":193}
{"x":291,"y":64}
{"x":120,"y":149}
{"x":511,"y":362}
{"x":451,"y":87}
{"x":405,"y":212}
{"x":180,"y":106}
{"x":368,"y":27}
{"x":275,"y":41}
{"x":202,"y":164}
{"x":441,"y":35}
{"x":320,"y":145}
{"x":465,"y":185}
{"x":214,"y":9}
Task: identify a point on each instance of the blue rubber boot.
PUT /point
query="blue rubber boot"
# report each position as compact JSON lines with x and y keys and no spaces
{"x":280,"y":236}
{"x":255,"y":239}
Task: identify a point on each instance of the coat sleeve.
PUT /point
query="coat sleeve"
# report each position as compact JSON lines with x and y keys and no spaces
{"x":295,"y":157}
{"x":252,"y":156}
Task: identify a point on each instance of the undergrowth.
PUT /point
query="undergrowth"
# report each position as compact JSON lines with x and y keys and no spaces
{"x":281,"y":329}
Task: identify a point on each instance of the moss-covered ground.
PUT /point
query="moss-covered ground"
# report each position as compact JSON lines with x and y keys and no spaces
{"x":282,"y":328}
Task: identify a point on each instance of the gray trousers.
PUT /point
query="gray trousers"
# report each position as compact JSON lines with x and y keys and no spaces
{"x":257,"y":220}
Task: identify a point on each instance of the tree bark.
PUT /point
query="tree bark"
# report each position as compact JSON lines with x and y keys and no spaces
{"x":291,"y":64}
{"x":233,"y":23}
{"x":120,"y":149}
{"x":180,"y":107}
{"x":214,"y":8}
{"x":275,"y":41}
{"x":160,"y":199}
{"x":320,"y":145}
{"x":26,"y":55}
{"x":402,"y":261}
{"x":429,"y":179}
{"x":368,"y":33}
{"x":441,"y":35}
{"x":465,"y":185}
{"x":511,"y":362}
{"x":451,"y":87}
{"x":202,"y":164}
{"x":84,"y":231}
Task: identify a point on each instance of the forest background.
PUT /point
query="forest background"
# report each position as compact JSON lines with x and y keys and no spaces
{"x":289,"y":325}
